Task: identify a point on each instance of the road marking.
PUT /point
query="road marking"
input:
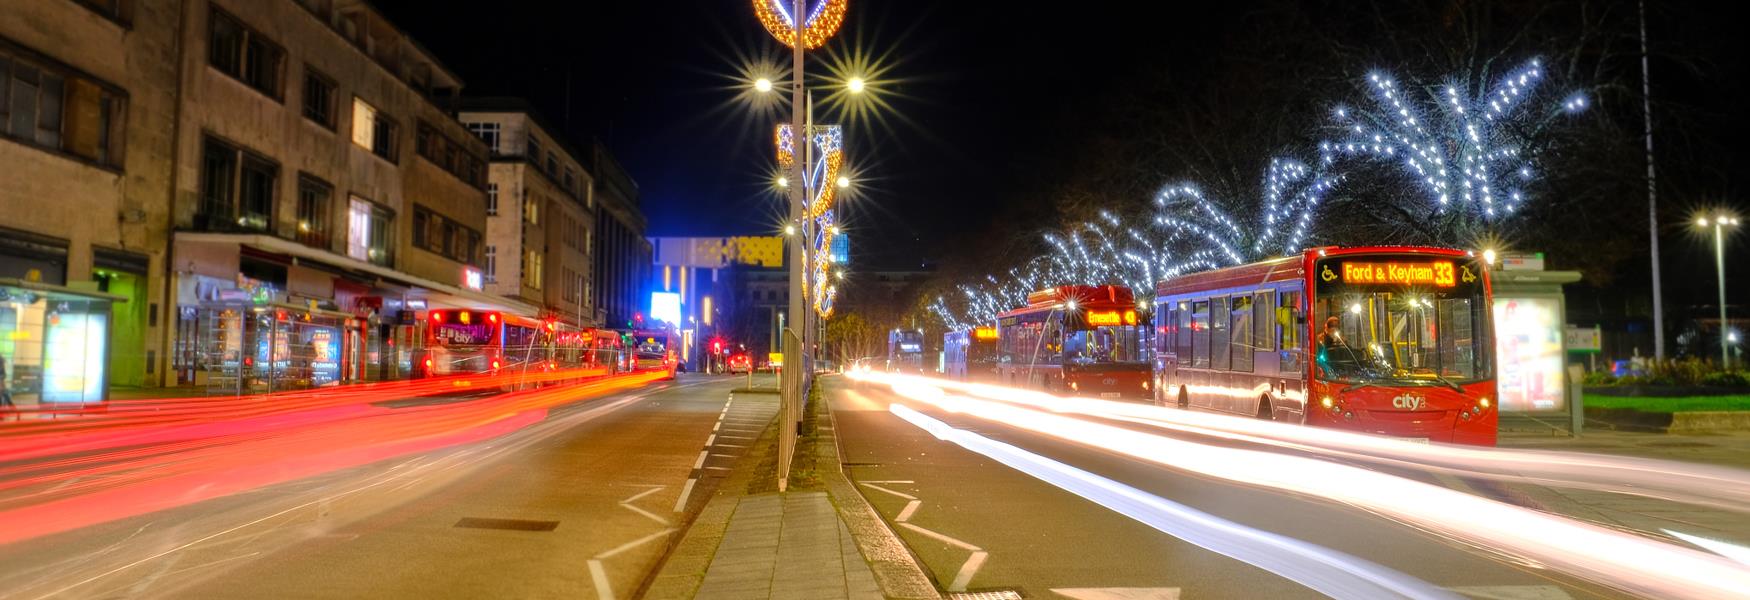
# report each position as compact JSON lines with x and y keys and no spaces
{"x":724,"y":455}
{"x":737,"y":437}
{"x":1118,"y":593}
{"x":967,"y":570}
{"x":890,"y":481}
{"x":653,"y":489}
{"x":910,"y":507}
{"x":701,"y":461}
{"x":719,"y":425}
{"x":681,"y":504}
{"x":1732,"y":551}
{"x":717,"y":468}
{"x":1512,"y":592}
{"x":900,"y":494}
{"x":942,"y":538}
{"x":730,"y":446}
{"x":602,"y":589}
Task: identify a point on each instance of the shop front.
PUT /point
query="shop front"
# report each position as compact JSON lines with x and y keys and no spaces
{"x":54,"y":344}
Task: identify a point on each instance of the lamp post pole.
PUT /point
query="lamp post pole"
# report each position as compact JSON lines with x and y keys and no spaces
{"x":1720,"y":266}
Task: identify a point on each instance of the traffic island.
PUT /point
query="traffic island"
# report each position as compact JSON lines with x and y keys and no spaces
{"x":1670,"y":414}
{"x":818,"y":540}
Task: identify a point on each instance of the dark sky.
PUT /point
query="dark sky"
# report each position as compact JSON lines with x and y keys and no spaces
{"x":976,"y":82}
{"x":989,"y":94}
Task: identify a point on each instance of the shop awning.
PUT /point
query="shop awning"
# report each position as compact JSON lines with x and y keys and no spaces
{"x":439,"y":294}
{"x":59,"y":292}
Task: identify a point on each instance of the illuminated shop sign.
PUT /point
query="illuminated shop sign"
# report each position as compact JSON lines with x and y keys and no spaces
{"x":472,"y":279}
{"x":985,"y":333}
{"x":1438,"y":273}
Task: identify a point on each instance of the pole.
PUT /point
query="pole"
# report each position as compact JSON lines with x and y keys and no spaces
{"x":791,"y":393}
{"x":1720,"y":264}
{"x":1652,"y":196}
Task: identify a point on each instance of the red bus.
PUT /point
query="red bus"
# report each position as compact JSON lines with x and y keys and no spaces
{"x":607,"y":349}
{"x":970,"y":354}
{"x":1389,"y":340}
{"x":483,"y":341}
{"x":1075,"y":339}
{"x":656,"y":349}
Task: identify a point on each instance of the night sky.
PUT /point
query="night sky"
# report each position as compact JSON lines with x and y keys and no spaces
{"x":986,"y":107}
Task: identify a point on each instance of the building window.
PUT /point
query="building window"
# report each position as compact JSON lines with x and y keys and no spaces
{"x":372,"y":130}
{"x":487,"y":132}
{"x":51,"y":106}
{"x":532,"y":272}
{"x":570,"y":181}
{"x":438,"y":234}
{"x":552,"y":164}
{"x":369,"y":231}
{"x":534,"y":150}
{"x":237,"y":188}
{"x":120,"y":11}
{"x":315,"y":200}
{"x":491,"y":199}
{"x":532,"y":211}
{"x":318,"y":97}
{"x":491,"y":264}
{"x":449,"y":155}
{"x":244,"y":54}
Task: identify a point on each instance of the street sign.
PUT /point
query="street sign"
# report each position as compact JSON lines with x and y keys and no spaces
{"x":776,"y":358}
{"x":1583,"y":339}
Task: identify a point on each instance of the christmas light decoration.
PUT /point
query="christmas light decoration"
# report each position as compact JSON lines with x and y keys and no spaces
{"x":822,"y":20}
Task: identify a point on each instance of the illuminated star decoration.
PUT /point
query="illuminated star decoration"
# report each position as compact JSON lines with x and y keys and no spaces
{"x":819,"y":194}
{"x":824,"y":19}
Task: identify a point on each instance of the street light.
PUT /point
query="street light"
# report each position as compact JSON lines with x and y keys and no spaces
{"x":789,"y":230}
{"x":854,"y":85}
{"x":762,"y":85}
{"x":1720,"y":222}
{"x":783,"y":182}
{"x":844,"y":182}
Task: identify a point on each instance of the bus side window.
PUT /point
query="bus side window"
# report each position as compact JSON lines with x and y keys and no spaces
{"x":1219,"y":333}
{"x":1242,"y":333}
{"x":1289,"y":325}
{"x":1200,"y":334}
{"x":1262,"y":311}
{"x":1182,"y":334}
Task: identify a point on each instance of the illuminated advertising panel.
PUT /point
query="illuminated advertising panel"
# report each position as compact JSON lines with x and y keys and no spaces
{"x":665,"y":306}
{"x":1528,"y":344}
{"x":73,"y":357}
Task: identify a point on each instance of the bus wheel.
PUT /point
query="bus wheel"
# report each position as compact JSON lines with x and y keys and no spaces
{"x":1264,"y":411}
{"x":1184,"y":398}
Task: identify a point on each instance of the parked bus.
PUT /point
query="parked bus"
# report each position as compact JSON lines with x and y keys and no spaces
{"x":656,"y":349}
{"x":970,"y":354}
{"x":482,"y":341}
{"x":1390,"y":340}
{"x":905,"y":351}
{"x":1077,"y":340}
{"x":607,"y":350}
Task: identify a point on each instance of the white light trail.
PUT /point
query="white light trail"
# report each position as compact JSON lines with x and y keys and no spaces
{"x":1623,"y":560}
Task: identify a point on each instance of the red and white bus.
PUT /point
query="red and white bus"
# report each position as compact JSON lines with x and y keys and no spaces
{"x":1077,"y":340}
{"x":484,"y":341}
{"x":1389,"y":340}
{"x":970,"y":354}
{"x":656,"y":349}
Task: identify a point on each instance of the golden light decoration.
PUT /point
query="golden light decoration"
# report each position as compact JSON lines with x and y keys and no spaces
{"x":822,"y":22}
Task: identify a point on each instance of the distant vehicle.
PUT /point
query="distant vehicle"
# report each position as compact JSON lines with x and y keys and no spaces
{"x":905,"y":351}
{"x":740,"y":363}
{"x":970,"y":354}
{"x":1080,"y":340}
{"x":1399,"y":342}
{"x":654,"y":349}
{"x":482,"y":341}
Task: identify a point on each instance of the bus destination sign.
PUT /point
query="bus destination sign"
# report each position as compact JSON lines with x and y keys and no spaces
{"x":1438,"y":273}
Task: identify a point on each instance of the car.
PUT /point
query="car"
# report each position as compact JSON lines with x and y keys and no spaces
{"x":740,"y":363}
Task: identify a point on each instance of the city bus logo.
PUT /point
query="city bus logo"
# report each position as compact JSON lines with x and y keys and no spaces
{"x":1409,"y":402}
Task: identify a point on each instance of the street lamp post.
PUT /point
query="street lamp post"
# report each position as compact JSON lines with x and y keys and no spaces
{"x":1719,"y":224}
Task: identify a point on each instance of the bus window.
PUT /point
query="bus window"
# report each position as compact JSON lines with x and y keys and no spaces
{"x":1242,"y":333}
{"x":1219,"y":334}
{"x":1200,"y":334}
{"x":1289,"y":332}
{"x":1262,"y":332}
{"x":1182,"y":333}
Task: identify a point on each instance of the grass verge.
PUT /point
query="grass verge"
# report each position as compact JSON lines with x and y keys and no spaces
{"x":1676,"y":404}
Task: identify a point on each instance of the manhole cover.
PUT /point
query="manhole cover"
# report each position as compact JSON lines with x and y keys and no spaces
{"x":511,"y":524}
{"x":988,"y":595}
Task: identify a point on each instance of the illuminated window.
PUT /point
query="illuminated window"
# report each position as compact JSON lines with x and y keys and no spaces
{"x":369,"y":232}
{"x":372,"y":130}
{"x":314,"y":200}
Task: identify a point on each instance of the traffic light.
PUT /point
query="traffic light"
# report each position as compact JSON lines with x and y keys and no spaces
{"x":716,"y":346}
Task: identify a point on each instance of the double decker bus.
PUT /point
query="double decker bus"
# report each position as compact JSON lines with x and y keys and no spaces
{"x":483,"y":341}
{"x":1075,"y":339}
{"x":905,"y":351}
{"x":656,"y":349}
{"x":1390,"y":340}
{"x":970,"y":354}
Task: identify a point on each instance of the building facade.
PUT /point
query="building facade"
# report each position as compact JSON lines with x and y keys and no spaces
{"x":87,"y":107}
{"x":622,"y":254}
{"x":541,"y":214}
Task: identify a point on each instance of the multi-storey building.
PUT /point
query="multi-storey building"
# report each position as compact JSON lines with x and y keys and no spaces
{"x":622,"y":255}
{"x":540,"y":224}
{"x":87,"y":113}
{"x":318,"y":170}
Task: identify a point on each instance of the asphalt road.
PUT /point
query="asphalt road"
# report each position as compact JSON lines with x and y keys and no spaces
{"x":980,"y":525}
{"x":579,"y":503}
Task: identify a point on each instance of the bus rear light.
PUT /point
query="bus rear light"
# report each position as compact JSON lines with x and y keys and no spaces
{"x":437,"y":316}
{"x":492,"y":318}
{"x":1145,"y":384}
{"x":428,"y":365}
{"x":495,"y":364}
{"x":1072,"y":386}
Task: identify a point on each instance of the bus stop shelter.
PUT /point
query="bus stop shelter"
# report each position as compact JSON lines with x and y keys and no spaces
{"x":1537,"y":392}
{"x":54,"y":341}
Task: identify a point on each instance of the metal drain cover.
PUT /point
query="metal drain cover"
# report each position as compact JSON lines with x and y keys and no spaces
{"x":986,"y":595}
{"x":510,"y":524}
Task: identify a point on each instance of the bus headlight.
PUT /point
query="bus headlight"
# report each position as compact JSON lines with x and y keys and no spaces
{"x":1326,"y":401}
{"x":1145,"y":385}
{"x":1072,"y":386}
{"x":1483,"y":401}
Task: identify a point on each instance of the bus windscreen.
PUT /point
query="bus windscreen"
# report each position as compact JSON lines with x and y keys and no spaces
{"x":1397,"y":319}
